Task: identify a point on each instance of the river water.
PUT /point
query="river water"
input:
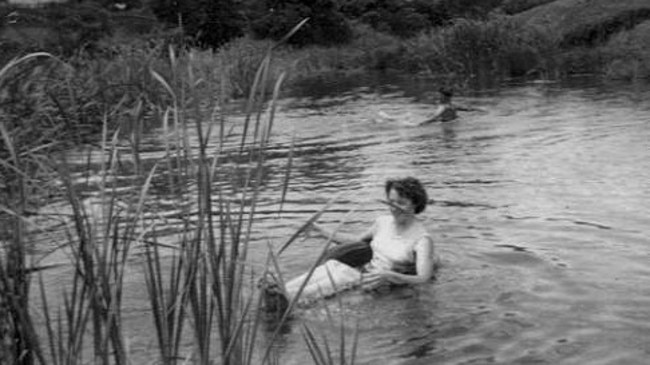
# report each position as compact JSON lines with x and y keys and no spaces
{"x":539,"y":212}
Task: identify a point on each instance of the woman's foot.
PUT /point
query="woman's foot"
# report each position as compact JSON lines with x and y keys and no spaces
{"x":275,"y":302}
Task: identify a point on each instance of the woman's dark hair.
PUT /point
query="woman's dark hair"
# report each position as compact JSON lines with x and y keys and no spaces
{"x":410,"y":188}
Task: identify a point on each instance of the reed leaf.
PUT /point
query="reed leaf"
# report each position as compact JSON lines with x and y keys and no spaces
{"x":287,"y":174}
{"x":307,"y":224}
{"x":167,"y":304}
{"x":17,"y":61}
{"x":291,"y":33}
{"x":276,"y":95}
{"x":314,"y":349}
{"x":294,"y":300}
{"x":9,"y":143}
{"x":251,"y":102}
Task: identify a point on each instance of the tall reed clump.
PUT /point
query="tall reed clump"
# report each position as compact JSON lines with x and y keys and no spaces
{"x":99,"y":243}
{"x":627,"y":54}
{"x":368,"y":50}
{"x":207,"y":286}
{"x":495,"y":48}
{"x":198,"y":288}
{"x":18,"y":167}
{"x":239,"y":60}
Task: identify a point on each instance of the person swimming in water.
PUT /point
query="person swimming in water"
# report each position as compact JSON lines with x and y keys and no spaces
{"x":446,"y":111}
{"x":401,"y":249}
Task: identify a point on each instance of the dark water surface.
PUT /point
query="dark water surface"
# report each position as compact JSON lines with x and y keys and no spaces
{"x":540,"y":214}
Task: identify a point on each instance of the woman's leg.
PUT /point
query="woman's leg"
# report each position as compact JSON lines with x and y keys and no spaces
{"x":327,"y":279}
{"x":352,"y":254}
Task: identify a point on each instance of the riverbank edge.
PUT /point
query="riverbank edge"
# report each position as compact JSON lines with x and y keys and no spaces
{"x":551,"y":40}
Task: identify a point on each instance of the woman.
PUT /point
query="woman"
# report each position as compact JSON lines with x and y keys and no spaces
{"x":402,"y":249}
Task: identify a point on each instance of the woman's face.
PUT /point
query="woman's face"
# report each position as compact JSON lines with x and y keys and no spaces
{"x":401,"y":207}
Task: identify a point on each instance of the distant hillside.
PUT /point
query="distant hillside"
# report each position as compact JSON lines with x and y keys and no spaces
{"x":588,"y":22}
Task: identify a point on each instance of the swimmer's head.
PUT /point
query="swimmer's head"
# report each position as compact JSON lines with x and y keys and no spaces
{"x":445,"y":94}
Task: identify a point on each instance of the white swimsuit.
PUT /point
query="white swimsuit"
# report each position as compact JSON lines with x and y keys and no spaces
{"x":392,"y":250}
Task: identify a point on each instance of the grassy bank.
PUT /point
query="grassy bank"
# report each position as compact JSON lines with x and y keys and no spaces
{"x":600,"y":37}
{"x":537,"y":38}
{"x":466,"y":53}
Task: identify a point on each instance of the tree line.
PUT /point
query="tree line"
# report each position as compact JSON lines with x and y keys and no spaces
{"x":210,"y":23}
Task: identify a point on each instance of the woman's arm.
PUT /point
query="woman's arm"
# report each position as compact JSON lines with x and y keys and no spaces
{"x":467,"y":108}
{"x":424,"y":263}
{"x":436,"y":115}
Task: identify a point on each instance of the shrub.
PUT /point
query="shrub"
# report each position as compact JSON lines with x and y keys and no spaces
{"x":401,"y":18}
{"x":518,"y":6}
{"x":627,"y":54}
{"x":58,"y":28}
{"x":207,"y":23}
{"x":592,"y":34}
{"x":369,"y":50}
{"x":67,"y":105}
{"x":581,"y":60}
{"x":239,"y":60}
{"x":493,"y":48}
{"x":376,"y":50}
{"x":326,"y":25}
{"x":407,"y":18}
{"x":9,"y":49}
{"x":470,"y":9}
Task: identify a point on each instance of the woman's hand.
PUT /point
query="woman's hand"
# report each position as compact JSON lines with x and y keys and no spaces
{"x":377,"y":278}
